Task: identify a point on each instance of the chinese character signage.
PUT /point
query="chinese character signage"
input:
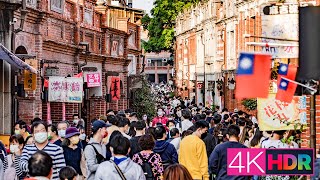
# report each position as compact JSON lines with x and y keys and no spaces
{"x":63,"y":89}
{"x":114,"y":49}
{"x":93,"y":79}
{"x":30,"y":79}
{"x":115,"y":88}
{"x":276,"y":115}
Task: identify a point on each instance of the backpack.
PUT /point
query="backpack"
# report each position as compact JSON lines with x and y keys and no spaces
{"x":147,"y":167}
{"x":99,"y":157}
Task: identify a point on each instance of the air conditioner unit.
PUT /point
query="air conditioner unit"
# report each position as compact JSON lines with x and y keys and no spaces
{"x":164,"y":60}
{"x":149,"y":61}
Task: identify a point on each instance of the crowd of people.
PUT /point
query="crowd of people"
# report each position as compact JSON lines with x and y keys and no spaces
{"x":184,"y":141}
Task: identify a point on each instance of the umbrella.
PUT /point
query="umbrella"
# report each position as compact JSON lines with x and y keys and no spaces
{"x":12,"y":59}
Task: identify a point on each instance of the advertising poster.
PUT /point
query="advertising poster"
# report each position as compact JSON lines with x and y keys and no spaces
{"x":276,"y":115}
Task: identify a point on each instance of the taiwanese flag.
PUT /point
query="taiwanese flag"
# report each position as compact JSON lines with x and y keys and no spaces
{"x":287,"y":71}
{"x":253,"y":76}
{"x":286,"y":90}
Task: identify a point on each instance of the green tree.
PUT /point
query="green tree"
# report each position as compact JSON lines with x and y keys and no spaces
{"x":143,"y":102}
{"x":161,"y":24}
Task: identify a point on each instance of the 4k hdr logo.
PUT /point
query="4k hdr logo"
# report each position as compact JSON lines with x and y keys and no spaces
{"x":245,"y":161}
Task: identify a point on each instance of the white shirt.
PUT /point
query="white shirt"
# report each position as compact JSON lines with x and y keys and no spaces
{"x":176,"y":143}
{"x":270,"y":143}
{"x":185,"y":125}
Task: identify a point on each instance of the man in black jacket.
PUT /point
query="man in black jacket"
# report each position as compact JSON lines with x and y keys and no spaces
{"x":140,"y":128}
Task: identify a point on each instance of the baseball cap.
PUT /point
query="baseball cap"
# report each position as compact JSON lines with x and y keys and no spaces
{"x":99,"y":124}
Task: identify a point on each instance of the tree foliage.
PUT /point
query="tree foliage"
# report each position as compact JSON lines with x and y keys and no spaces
{"x":161,"y":24}
{"x":143,"y":102}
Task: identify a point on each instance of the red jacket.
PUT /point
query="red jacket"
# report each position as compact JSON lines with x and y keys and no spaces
{"x":163,"y":120}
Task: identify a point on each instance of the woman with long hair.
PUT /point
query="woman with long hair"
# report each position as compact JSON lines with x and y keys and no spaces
{"x":255,"y":141}
{"x":177,"y":171}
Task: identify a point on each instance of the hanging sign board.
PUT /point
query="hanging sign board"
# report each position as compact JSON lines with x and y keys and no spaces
{"x":30,"y":79}
{"x":93,"y":79}
{"x":63,"y":89}
{"x":276,"y":115}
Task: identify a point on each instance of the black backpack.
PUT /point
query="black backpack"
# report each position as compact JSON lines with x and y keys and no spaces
{"x":147,"y":167}
{"x":99,"y":157}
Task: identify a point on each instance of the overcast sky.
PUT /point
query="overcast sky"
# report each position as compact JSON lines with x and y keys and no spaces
{"x":143,"y":4}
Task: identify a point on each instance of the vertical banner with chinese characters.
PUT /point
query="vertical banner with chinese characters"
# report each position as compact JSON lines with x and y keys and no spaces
{"x":63,"y":89}
{"x":115,"y":88}
{"x":93,"y":79}
{"x":277,"y":115}
{"x":30,"y":79}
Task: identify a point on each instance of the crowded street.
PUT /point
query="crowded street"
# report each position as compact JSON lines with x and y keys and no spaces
{"x":159,"y":90}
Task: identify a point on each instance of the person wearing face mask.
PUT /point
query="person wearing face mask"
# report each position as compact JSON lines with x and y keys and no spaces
{"x":62,"y":127}
{"x":21,"y":128}
{"x":16,"y":144}
{"x":95,"y":151}
{"x":124,"y":125}
{"x":192,"y":152}
{"x":160,"y":118}
{"x":40,"y":134}
{"x":53,"y":135}
{"x":75,"y":120}
{"x":83,"y":137}
{"x":218,"y":158}
{"x":72,"y":152}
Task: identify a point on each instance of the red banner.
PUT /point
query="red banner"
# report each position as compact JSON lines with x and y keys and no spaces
{"x":115,"y":88}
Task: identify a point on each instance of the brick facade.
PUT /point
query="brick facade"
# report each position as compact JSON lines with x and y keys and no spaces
{"x":53,"y":39}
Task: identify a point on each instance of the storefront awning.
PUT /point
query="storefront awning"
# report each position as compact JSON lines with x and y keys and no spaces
{"x":12,"y":59}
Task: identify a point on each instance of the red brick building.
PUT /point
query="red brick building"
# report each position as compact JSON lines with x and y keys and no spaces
{"x":56,"y":34}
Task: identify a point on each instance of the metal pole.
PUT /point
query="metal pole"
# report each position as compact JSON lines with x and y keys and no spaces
{"x":313,"y":122}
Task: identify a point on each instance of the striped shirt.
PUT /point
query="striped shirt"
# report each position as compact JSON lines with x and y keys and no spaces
{"x":56,"y":153}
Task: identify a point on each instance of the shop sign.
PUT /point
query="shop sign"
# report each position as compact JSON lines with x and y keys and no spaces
{"x":93,"y":79}
{"x":30,"y":79}
{"x":63,"y":89}
{"x":276,"y":115}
